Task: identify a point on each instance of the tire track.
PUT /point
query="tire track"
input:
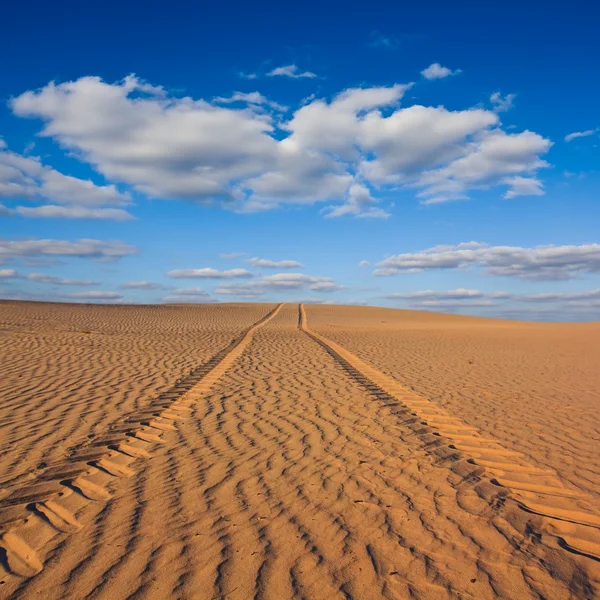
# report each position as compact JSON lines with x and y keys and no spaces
{"x":568,"y":516}
{"x":41,"y":513}
{"x":287,"y":480}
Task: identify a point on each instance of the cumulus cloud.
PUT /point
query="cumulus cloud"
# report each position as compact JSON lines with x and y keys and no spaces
{"x":68,"y":190}
{"x":359,"y":203}
{"x":141,"y":285}
{"x":450,"y":304}
{"x":553,"y":306}
{"x":570,"y":297}
{"x":502,"y":103}
{"x":291,"y":71}
{"x":436,"y":71}
{"x":209,"y":273}
{"x":364,"y":264}
{"x":523,"y":186}
{"x":465,"y":298}
{"x":8,"y":273}
{"x":448,"y":299}
{"x":495,"y":158}
{"x":274,"y":264}
{"x":51,"y":279}
{"x":579,"y":134}
{"x":541,"y":262}
{"x":457,"y":294}
{"x":241,"y":151}
{"x":279,"y":282}
{"x":189,"y":295}
{"x":84,"y":248}
{"x":94,"y":295}
{"x":26,"y":178}
{"x":231,"y":255}
{"x":195,"y":291}
{"x":252,"y":98}
{"x":170,"y":148}
{"x":50,"y":211}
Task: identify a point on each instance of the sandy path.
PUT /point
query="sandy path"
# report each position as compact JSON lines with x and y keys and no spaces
{"x":69,"y":372}
{"x":289,"y":479}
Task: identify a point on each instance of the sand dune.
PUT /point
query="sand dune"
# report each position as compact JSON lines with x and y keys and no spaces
{"x":295,"y":463}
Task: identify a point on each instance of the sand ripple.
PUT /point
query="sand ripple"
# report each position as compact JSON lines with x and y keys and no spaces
{"x":289,"y":471}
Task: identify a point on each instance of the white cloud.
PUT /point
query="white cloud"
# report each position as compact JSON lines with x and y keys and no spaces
{"x":523,"y":186}
{"x":566,"y":306}
{"x":467,"y":297}
{"x":451,"y":304}
{"x":417,"y":138}
{"x":8,"y":273}
{"x":50,"y":211}
{"x":231,"y":255}
{"x":541,"y":262}
{"x":195,"y":291}
{"x":94,"y":295}
{"x":64,"y":189}
{"x":448,"y":299}
{"x":141,"y":285}
{"x":495,"y":158}
{"x":26,"y":178}
{"x":337,"y":127}
{"x":579,"y":134}
{"x":252,"y":98}
{"x":209,"y":273}
{"x":189,"y":295}
{"x":291,"y":71}
{"x":274,"y":264}
{"x":364,"y":264}
{"x":337,"y":151}
{"x":436,"y":71}
{"x":170,"y":148}
{"x":358,"y":203}
{"x":590,"y":295}
{"x":502,"y":103}
{"x":279,"y":282}
{"x":457,"y":294}
{"x":51,"y":279}
{"x":84,"y":248}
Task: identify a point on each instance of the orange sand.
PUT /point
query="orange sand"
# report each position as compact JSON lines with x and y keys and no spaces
{"x":426,"y":457}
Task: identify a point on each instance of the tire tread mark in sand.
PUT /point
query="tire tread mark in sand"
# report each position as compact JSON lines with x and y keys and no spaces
{"x":473,"y":455}
{"x":41,"y":508}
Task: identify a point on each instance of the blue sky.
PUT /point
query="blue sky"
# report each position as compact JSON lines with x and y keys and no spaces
{"x":432,"y":157}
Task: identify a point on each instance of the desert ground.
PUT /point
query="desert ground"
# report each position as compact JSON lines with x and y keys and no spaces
{"x":271,"y":451}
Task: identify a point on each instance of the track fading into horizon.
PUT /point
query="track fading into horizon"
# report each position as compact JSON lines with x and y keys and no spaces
{"x":291,"y":470}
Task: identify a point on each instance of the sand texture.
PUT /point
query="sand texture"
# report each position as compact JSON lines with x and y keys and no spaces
{"x":296,"y":461}
{"x":533,"y":386}
{"x":69,"y":372}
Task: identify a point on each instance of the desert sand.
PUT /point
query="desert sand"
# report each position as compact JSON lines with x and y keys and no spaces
{"x":260,"y":451}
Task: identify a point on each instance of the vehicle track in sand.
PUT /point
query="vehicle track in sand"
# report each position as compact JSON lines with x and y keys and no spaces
{"x":571,"y":516}
{"x":70,"y":372}
{"x":297,"y":475}
{"x":36,"y":513}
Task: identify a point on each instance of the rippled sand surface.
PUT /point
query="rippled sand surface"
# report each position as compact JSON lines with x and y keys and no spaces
{"x":306,"y":452}
{"x":534,"y":386}
{"x":71,"y":371}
